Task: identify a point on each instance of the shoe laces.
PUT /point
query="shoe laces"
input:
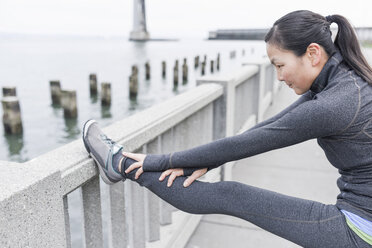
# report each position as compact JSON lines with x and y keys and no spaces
{"x":107,"y":140}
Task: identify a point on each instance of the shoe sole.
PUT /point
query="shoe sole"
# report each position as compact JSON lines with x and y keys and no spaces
{"x":101,"y":172}
{"x":85,"y":132}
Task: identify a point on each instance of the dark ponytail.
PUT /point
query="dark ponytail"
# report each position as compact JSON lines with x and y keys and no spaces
{"x":348,"y":45}
{"x":297,"y":30}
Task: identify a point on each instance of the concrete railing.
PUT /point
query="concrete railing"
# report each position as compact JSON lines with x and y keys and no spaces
{"x":35,"y":210}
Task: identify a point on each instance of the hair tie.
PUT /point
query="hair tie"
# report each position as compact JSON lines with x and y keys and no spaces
{"x":329,"y":18}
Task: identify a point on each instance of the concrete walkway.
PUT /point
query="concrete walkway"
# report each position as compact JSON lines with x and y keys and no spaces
{"x":292,"y":171}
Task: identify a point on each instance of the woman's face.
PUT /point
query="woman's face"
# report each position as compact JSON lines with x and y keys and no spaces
{"x":297,"y":72}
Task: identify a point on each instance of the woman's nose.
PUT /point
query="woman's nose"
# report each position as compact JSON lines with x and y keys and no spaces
{"x":279,"y":76}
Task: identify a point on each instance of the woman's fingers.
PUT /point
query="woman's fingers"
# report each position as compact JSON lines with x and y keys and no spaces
{"x":135,"y":156}
{"x":195,"y":175}
{"x":165,"y":174}
{"x":174,"y":173}
{"x":133,"y":167}
{"x":171,"y":179}
{"x":138,"y":173}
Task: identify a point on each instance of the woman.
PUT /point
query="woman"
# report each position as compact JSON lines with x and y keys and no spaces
{"x":335,"y":82}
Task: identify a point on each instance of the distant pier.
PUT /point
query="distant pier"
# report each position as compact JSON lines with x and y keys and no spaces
{"x":364,"y":34}
{"x":238,"y":34}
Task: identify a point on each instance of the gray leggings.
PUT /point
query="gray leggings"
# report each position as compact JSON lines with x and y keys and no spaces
{"x":306,"y":223}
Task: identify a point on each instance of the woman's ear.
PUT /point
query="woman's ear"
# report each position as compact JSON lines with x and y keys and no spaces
{"x":314,"y":53}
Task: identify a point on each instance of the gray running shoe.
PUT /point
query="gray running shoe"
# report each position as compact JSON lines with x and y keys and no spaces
{"x":102,"y":150}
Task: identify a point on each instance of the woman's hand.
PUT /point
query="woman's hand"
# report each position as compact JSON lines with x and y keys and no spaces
{"x":174,"y":173}
{"x":139,"y":158}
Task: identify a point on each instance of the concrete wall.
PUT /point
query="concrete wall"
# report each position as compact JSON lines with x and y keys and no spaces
{"x":34,"y":208}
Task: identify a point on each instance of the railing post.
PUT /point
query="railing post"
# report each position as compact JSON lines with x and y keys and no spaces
{"x":67,"y":222}
{"x":152,"y":203}
{"x":166,"y":144}
{"x":92,"y":214}
{"x":261,"y":93}
{"x":137,"y":202}
{"x":119,"y":223}
{"x":264,"y":99}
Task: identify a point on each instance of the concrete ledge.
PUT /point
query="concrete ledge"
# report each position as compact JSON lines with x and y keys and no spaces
{"x":263,"y":61}
{"x":234,"y":77}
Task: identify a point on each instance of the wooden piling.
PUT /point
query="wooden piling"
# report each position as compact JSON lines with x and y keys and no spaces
{"x":218,"y":62}
{"x":69,"y":104}
{"x":185,"y":71}
{"x":175,"y":76}
{"x":134,"y":69}
{"x":196,"y":62}
{"x":106,"y":94}
{"x":133,"y":86}
{"x":203,"y":68}
{"x":12,"y":120}
{"x":147,"y":70}
{"x":93,"y":84}
{"x":212,"y":66}
{"x":9,"y":91}
{"x":55,"y":90}
{"x":164,"y":69}
{"x":133,"y":82}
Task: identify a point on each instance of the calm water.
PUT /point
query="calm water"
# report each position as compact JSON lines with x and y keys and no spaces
{"x":29,"y":63}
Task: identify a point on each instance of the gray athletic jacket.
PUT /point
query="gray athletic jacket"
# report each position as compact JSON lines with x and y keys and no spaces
{"x":337,"y":111}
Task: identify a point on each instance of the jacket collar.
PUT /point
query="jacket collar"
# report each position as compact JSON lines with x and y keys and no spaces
{"x":327,"y":73}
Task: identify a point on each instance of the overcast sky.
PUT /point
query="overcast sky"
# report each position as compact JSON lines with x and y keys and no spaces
{"x":164,"y":17}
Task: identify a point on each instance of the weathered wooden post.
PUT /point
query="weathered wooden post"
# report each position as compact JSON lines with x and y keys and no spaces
{"x":93,"y":84}
{"x":196,"y":62}
{"x":212,"y":66}
{"x":133,"y":82}
{"x":175,"y":74}
{"x":147,"y":69}
{"x":11,"y":115}
{"x":133,"y":86}
{"x":218,"y":62}
{"x":134,"y":69}
{"x":55,"y":90}
{"x":106,"y":94}
{"x":205,"y":59}
{"x":9,"y":91}
{"x":164,"y":69}
{"x":184,"y":71}
{"x":69,"y":104}
{"x":202,"y":68}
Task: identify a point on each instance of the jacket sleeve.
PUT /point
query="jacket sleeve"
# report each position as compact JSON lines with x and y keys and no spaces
{"x":303,"y":120}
